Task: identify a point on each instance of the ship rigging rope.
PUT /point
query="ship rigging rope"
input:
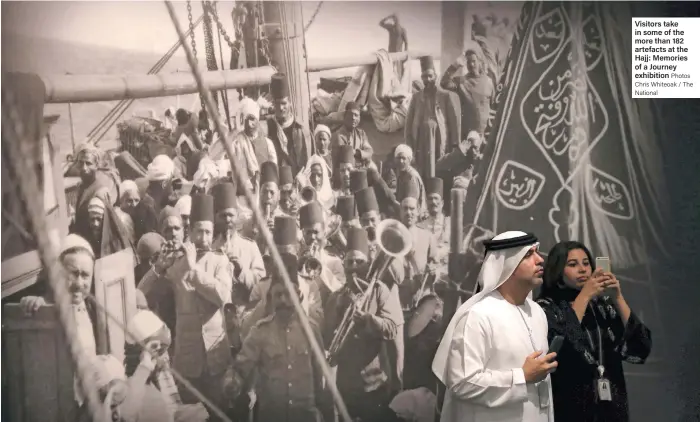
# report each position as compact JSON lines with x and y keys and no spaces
{"x":123,"y":105}
{"x":224,"y":93}
{"x":313,"y":16}
{"x":318,"y":352}
{"x":306,"y":66}
{"x":282,"y":10}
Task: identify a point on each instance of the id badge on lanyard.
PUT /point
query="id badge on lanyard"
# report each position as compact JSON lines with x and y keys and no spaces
{"x":603,"y":387}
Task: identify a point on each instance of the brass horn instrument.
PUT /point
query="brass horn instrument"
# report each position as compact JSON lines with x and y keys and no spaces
{"x":394,"y":241}
{"x":309,"y":265}
{"x":308,"y":194}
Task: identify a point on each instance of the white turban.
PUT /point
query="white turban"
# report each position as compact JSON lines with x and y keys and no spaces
{"x":404,"y":150}
{"x":248,"y":107}
{"x":105,"y":369}
{"x":322,"y":129}
{"x":161,"y":168}
{"x":206,"y":172}
{"x":128,"y":186}
{"x":184,"y":205}
{"x":73,"y":241}
{"x":96,"y":205}
{"x":143,"y":325}
{"x":498,"y":266}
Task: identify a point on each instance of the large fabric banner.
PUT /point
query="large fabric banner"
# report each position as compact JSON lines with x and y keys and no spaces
{"x":566,"y":156}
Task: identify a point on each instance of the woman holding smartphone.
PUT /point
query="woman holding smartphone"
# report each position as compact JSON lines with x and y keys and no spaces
{"x":587,"y":308}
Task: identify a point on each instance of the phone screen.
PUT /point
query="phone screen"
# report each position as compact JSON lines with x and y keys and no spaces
{"x":603,"y":262}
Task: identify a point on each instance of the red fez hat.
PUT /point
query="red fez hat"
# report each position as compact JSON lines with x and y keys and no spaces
{"x":202,"y":208}
{"x":406,"y":187}
{"x":357,"y":240}
{"x":358,"y":180}
{"x":224,"y":196}
{"x":426,"y":63}
{"x":279,"y":88}
{"x":290,"y":262}
{"x":310,"y":214}
{"x":434,"y":185}
{"x":285,"y":175}
{"x":268,"y":173}
{"x":352,"y":105}
{"x":345,"y":207}
{"x":346,"y":154}
{"x":366,"y":201}
{"x":285,"y":232}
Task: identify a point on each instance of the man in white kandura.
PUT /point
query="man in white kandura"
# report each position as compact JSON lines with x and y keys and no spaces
{"x":492,"y":357}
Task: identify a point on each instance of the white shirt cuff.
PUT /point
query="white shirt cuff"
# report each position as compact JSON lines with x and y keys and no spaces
{"x":518,"y":376}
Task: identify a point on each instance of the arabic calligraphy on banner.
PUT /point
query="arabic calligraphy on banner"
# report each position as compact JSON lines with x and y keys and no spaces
{"x":560,"y":160}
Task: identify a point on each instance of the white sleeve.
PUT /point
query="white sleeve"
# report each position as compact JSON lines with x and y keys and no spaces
{"x":467,"y":376}
{"x":272,"y":151}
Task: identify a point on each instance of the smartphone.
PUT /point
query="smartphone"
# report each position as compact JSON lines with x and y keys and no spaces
{"x":556,"y":344}
{"x":603,"y":262}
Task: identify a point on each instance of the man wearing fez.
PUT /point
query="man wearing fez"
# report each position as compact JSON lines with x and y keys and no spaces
{"x":345,"y":217}
{"x":202,"y":281}
{"x":358,"y":180}
{"x":244,"y":255}
{"x":422,"y":257}
{"x":268,"y":201}
{"x":370,"y":361}
{"x":313,"y":227}
{"x":285,"y":238}
{"x":277,"y":357}
{"x":433,"y":118}
{"x":352,"y":135}
{"x":291,"y":140}
{"x":344,"y":158}
{"x":345,"y":208}
{"x":288,"y":200}
{"x":436,"y":222}
{"x":368,"y":210}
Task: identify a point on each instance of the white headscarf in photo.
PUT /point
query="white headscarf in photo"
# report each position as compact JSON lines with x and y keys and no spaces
{"x":324,"y":196}
{"x":501,"y":260}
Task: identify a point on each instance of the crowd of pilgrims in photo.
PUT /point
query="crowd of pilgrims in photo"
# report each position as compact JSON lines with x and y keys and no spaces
{"x":213,"y":307}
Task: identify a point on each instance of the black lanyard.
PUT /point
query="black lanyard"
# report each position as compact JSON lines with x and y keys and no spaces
{"x":600,"y":364}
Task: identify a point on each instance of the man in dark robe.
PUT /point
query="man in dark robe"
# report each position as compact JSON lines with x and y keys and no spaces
{"x":291,"y":139}
{"x":351,"y":134}
{"x":432,"y":121}
{"x":103,"y":228}
{"x":475,"y":90}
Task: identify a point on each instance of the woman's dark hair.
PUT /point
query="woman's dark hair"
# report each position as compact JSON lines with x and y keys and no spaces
{"x":555,"y":263}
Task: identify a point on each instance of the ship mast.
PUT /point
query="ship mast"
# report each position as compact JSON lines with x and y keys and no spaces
{"x":284,"y":29}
